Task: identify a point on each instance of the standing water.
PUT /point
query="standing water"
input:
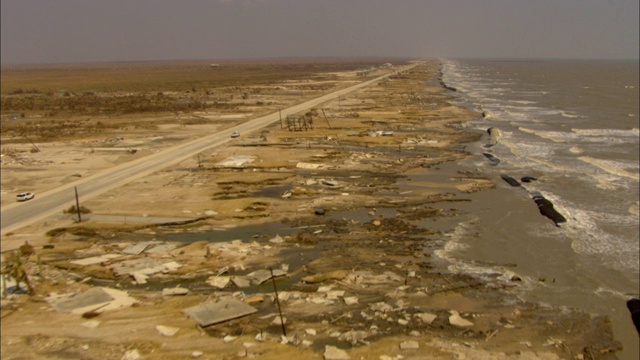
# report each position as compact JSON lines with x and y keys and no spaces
{"x":573,"y":126}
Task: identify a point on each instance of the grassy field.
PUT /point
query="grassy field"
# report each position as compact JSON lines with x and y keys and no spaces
{"x":55,"y":102}
{"x":167,"y":76}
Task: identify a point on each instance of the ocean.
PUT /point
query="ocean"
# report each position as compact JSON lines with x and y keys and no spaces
{"x":572,"y":125}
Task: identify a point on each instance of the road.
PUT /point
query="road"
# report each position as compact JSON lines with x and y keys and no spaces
{"x":17,"y":215}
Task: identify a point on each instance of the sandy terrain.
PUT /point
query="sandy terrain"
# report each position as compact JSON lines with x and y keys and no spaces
{"x":320,"y":203}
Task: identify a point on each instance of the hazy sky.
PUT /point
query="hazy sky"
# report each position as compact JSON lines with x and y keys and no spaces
{"x":61,"y":31}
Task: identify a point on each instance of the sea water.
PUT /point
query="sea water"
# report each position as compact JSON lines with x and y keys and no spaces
{"x":572,"y":125}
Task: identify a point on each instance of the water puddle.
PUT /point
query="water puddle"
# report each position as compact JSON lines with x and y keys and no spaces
{"x":245,"y":233}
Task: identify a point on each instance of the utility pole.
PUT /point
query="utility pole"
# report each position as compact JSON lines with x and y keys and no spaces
{"x":78,"y":205}
{"x":325,"y":117}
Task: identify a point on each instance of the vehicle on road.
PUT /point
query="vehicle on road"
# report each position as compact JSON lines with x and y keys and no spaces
{"x":235,"y":134}
{"x":25,"y":196}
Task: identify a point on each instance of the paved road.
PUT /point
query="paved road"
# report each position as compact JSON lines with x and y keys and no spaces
{"x":17,"y":215}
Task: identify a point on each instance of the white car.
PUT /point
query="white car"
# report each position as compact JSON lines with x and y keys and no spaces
{"x":25,"y":196}
{"x":235,"y":134}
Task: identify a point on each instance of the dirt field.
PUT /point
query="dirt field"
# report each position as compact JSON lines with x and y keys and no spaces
{"x":315,"y":197}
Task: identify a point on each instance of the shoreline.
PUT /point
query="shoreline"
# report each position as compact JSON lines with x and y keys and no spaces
{"x":593,"y":272}
{"x":352,"y":171}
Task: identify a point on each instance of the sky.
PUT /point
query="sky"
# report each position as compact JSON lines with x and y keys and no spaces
{"x":79,"y":31}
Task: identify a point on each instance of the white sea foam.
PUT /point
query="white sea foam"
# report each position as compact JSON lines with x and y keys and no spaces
{"x":527,"y":150}
{"x":555,"y":136}
{"x":531,"y":155}
{"x":534,"y":93}
{"x":588,"y":238}
{"x":570,"y":115}
{"x":608,"y":132}
{"x":613,"y":167}
{"x":633,"y":209}
{"x":455,"y":244}
{"x":602,"y":291}
{"x":607,"y":182}
{"x":576,"y":150}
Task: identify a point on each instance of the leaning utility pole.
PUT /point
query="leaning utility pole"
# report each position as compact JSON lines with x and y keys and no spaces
{"x":325,"y":117}
{"x":78,"y":205}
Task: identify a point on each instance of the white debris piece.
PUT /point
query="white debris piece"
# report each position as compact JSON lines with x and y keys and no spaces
{"x":98,"y":299}
{"x":95,"y":259}
{"x":218,"y":281}
{"x":426,"y":317}
{"x":167,"y":330}
{"x":330,"y":182}
{"x":381,"y":306}
{"x":284,"y":295}
{"x":174,"y":291}
{"x":335,"y":294}
{"x":135,"y":249}
{"x":333,"y":353}
{"x":409,"y":345}
{"x":303,"y":165}
{"x":91,"y":324}
{"x":276,"y":240}
{"x":350,"y":300}
{"x":260,"y":276}
{"x":131,"y":355}
{"x":241,"y":281}
{"x":456,"y":320}
{"x":229,"y":338}
{"x":325,"y":288}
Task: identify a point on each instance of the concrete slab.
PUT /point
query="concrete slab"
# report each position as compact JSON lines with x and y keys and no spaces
{"x":91,"y":297}
{"x":214,"y":313}
{"x":98,"y":299}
